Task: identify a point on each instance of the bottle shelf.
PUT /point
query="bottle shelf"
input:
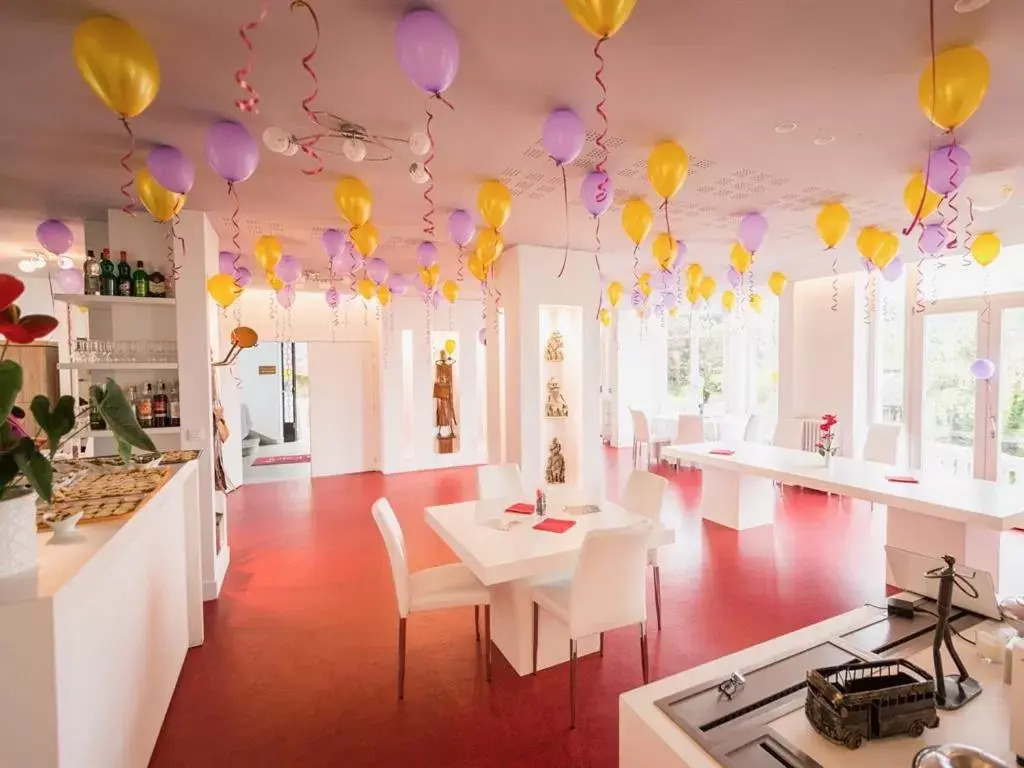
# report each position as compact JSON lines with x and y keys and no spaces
{"x":82,"y":300}
{"x":150,"y":431}
{"x":118,"y":366}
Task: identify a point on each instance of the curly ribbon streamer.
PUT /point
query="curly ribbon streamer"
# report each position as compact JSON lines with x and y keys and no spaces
{"x":969,"y":226}
{"x":307,"y":146}
{"x":919,"y":280}
{"x":273,"y":312}
{"x":428,"y":190}
{"x":334,"y":322}
{"x":129,"y":205}
{"x":492,"y":286}
{"x":459,"y":274}
{"x":175,"y":268}
{"x":597,"y":263}
{"x":668,"y":224}
{"x":951,"y":199}
{"x":565,"y":203}
{"x":986,"y":311}
{"x":250,"y":104}
{"x":602,"y":189}
{"x":235,"y":231}
{"x":869,"y":302}
{"x":835,"y":279}
{"x":636,"y":266}
{"x":935,"y":90}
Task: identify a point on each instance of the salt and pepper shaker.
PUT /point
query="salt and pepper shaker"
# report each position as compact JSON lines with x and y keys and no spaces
{"x":542,"y":503}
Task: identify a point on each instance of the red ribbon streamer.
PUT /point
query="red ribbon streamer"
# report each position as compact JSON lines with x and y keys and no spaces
{"x":969,"y":227}
{"x":428,"y":217}
{"x":928,"y":163}
{"x":175,"y":269}
{"x":307,"y":146}
{"x":129,"y":206}
{"x":602,"y":188}
{"x":252,"y":103}
{"x":597,"y":263}
{"x":234,"y":226}
{"x":459,"y":275}
{"x":565,"y":202}
{"x":919,"y":283}
{"x":835,"y":279}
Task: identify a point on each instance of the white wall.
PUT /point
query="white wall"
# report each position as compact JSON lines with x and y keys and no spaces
{"x":262,"y":393}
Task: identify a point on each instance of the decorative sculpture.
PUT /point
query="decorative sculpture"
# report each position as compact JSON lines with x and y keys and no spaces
{"x":553,"y":351}
{"x":556,"y":406}
{"x":444,"y":413}
{"x":952,"y":691}
{"x":555,"y":472}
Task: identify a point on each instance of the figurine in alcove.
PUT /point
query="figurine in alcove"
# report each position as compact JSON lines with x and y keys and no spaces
{"x":444,"y":398}
{"x":555,"y":472}
{"x":553,"y":352}
{"x":556,"y":406}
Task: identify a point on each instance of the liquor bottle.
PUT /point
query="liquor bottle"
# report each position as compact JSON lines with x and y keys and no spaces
{"x":108,"y":279}
{"x":124,"y":276}
{"x":91,"y":274}
{"x":158,"y":287}
{"x":96,"y":421}
{"x":140,"y":281}
{"x":160,"y":405}
{"x":174,"y":407}
{"x":144,"y":407}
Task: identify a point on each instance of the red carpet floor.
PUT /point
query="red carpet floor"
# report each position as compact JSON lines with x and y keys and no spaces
{"x":298,"y":668}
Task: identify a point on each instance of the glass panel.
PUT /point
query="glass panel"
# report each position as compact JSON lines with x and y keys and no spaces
{"x":678,"y":344}
{"x":947,"y":423}
{"x":955,"y":277}
{"x":1010,"y":467}
{"x":711,"y":378}
{"x":892,"y":319}
{"x":763,"y":336}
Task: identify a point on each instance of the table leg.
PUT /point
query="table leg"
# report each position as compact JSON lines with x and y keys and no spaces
{"x":512,"y":630}
{"x":736,"y":500}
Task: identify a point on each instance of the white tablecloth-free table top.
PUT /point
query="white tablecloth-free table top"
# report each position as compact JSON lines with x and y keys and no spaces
{"x":974,"y":502}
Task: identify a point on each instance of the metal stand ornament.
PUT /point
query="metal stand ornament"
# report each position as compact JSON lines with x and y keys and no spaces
{"x":951,"y":691}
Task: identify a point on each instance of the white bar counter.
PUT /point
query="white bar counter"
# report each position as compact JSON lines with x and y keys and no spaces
{"x":92,"y":643}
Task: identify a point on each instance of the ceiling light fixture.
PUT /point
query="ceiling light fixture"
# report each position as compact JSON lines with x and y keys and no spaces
{"x":786,"y":127}
{"x":418,"y":173}
{"x":354,"y":150}
{"x":968,"y":6}
{"x":65,"y":262}
{"x":27,"y":265}
{"x":419,"y":143}
{"x":822,"y":141}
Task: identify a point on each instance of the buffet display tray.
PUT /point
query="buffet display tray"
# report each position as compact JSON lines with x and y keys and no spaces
{"x":102,"y":497}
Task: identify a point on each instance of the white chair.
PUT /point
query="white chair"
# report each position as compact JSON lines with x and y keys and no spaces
{"x":643,"y":494}
{"x":446,"y":586}
{"x":499,"y":481}
{"x":642,"y":436}
{"x":607,"y":591}
{"x":883,"y":443}
{"x":789,"y":433}
{"x":752,"y":432}
{"x":689,"y":430}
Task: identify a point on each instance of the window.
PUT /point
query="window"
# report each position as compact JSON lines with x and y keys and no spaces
{"x":890,"y":322}
{"x":956,"y":277}
{"x":763,"y":340}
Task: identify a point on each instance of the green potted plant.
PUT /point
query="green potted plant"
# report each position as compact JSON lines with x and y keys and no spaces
{"x":25,"y":461}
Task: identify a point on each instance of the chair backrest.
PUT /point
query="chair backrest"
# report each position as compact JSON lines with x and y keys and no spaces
{"x":644,"y":493}
{"x":732,"y":429}
{"x":752,"y":432}
{"x":609,"y":587}
{"x":690,"y":429}
{"x":499,"y":481}
{"x":883,"y":443}
{"x":391,"y":532}
{"x":641,"y":429}
{"x":789,"y":433}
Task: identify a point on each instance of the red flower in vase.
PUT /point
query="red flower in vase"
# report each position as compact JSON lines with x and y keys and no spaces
{"x":828,"y":421}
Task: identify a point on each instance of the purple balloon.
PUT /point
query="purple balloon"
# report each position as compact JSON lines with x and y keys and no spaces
{"x":55,"y":236}
{"x":171,"y":168}
{"x":332,"y":297}
{"x":734,"y":277}
{"x":564,"y":135}
{"x":288,"y":269}
{"x":333,"y":241}
{"x":286,"y":296}
{"x":893,"y":270}
{"x":231,"y":151}
{"x":481,"y":336}
{"x":397,"y":283}
{"x":426,"y":254}
{"x":461,"y":228}
{"x":243,"y":277}
{"x":346,"y":262}
{"x":669,"y":300}
{"x":596,"y":199}
{"x":377,"y":270}
{"x":226,"y":263}
{"x":932,"y":239}
{"x":428,"y":50}
{"x":983,"y":369}
{"x":70,"y":281}
{"x":752,"y":231}
{"x":948,"y":168}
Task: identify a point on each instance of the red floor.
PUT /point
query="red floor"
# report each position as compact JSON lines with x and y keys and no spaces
{"x":298,"y":668}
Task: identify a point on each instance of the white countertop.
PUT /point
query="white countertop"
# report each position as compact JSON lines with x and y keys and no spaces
{"x":975,"y":502}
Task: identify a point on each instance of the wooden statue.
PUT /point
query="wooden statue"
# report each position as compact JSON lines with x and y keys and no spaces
{"x":556,"y":407}
{"x":444,"y":414}
{"x":555,"y":472}
{"x":553,"y":351}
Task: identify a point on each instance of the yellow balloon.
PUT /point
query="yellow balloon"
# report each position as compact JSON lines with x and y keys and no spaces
{"x":755,"y":302}
{"x":674,"y":312}
{"x":162,"y":204}
{"x":665,"y":250}
{"x":693,"y":294}
{"x":268,"y":252}
{"x":495,"y":203}
{"x":275,"y":282}
{"x":430,"y":275}
{"x":449,"y":346}
{"x":961,"y":78}
{"x":365,"y":238}
{"x":888,"y":247}
{"x":777,"y":283}
{"x":489,"y":245}
{"x":383,"y":295}
{"x":354,"y":200}
{"x":601,"y":18}
{"x":476,"y":267}
{"x":614,"y":293}
{"x":604,"y":316}
{"x":728,"y":300}
{"x":985,"y":248}
{"x":707,"y":287}
{"x":869,"y":241}
{"x":645,"y":283}
{"x":832,"y":223}
{"x":222,"y":289}
{"x":667,"y":168}
{"x":740,"y":258}
{"x":913,"y":193}
{"x":450,"y":290}
{"x":637,"y":218}
{"x":117,"y":63}
{"x":693,"y":274}
{"x":366,"y":288}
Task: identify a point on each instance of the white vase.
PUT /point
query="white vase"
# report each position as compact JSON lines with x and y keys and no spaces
{"x":828,"y":460}
{"x":17,"y":535}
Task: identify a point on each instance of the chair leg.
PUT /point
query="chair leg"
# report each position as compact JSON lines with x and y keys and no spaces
{"x":536,"y":634}
{"x":572,"y":684}
{"x":401,"y":658}
{"x":657,"y":595}
{"x":476,"y":621}
{"x":644,"y":664}
{"x":600,"y":647}
{"x":487,"y":641}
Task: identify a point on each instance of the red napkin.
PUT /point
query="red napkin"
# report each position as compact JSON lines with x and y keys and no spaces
{"x":554,"y":526}
{"x":520,"y":509}
{"x":901,"y":479}
{"x":721,"y":452}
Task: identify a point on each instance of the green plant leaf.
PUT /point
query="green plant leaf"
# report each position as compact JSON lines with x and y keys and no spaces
{"x":124,"y":449}
{"x":56,"y":423}
{"x":35,"y":467}
{"x":8,"y":471}
{"x":120,"y":417}
{"x":11,"y":380}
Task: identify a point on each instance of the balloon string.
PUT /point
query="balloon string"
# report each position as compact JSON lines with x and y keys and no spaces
{"x":497,"y":293}
{"x":602,"y":188}
{"x":565,"y":202}
{"x":986,"y":311}
{"x":636,"y":264}
{"x":928,"y":162}
{"x":869,"y":304}
{"x":129,"y":206}
{"x":919,"y":282}
{"x":952,"y":198}
{"x":969,"y":226}
{"x":597,"y":263}
{"x":428,"y":217}
{"x":835,"y":280}
{"x":250,"y":104}
{"x":235,"y":231}
{"x":668,"y":226}
{"x":459,"y":275}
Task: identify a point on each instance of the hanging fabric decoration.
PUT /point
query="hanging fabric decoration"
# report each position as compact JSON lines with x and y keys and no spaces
{"x":250,"y":103}
{"x":307,"y":103}
{"x":563,"y":137}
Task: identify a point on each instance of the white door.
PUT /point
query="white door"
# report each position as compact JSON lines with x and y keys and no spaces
{"x":343,"y":417}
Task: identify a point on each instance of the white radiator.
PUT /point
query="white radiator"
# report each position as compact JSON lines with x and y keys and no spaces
{"x":811,"y":433}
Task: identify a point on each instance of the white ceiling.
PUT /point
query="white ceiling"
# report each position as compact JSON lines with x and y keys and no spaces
{"x":718,"y":76}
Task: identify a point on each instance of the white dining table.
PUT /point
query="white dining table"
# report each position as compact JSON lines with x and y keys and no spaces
{"x":967,"y":518}
{"x":507,"y":554}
